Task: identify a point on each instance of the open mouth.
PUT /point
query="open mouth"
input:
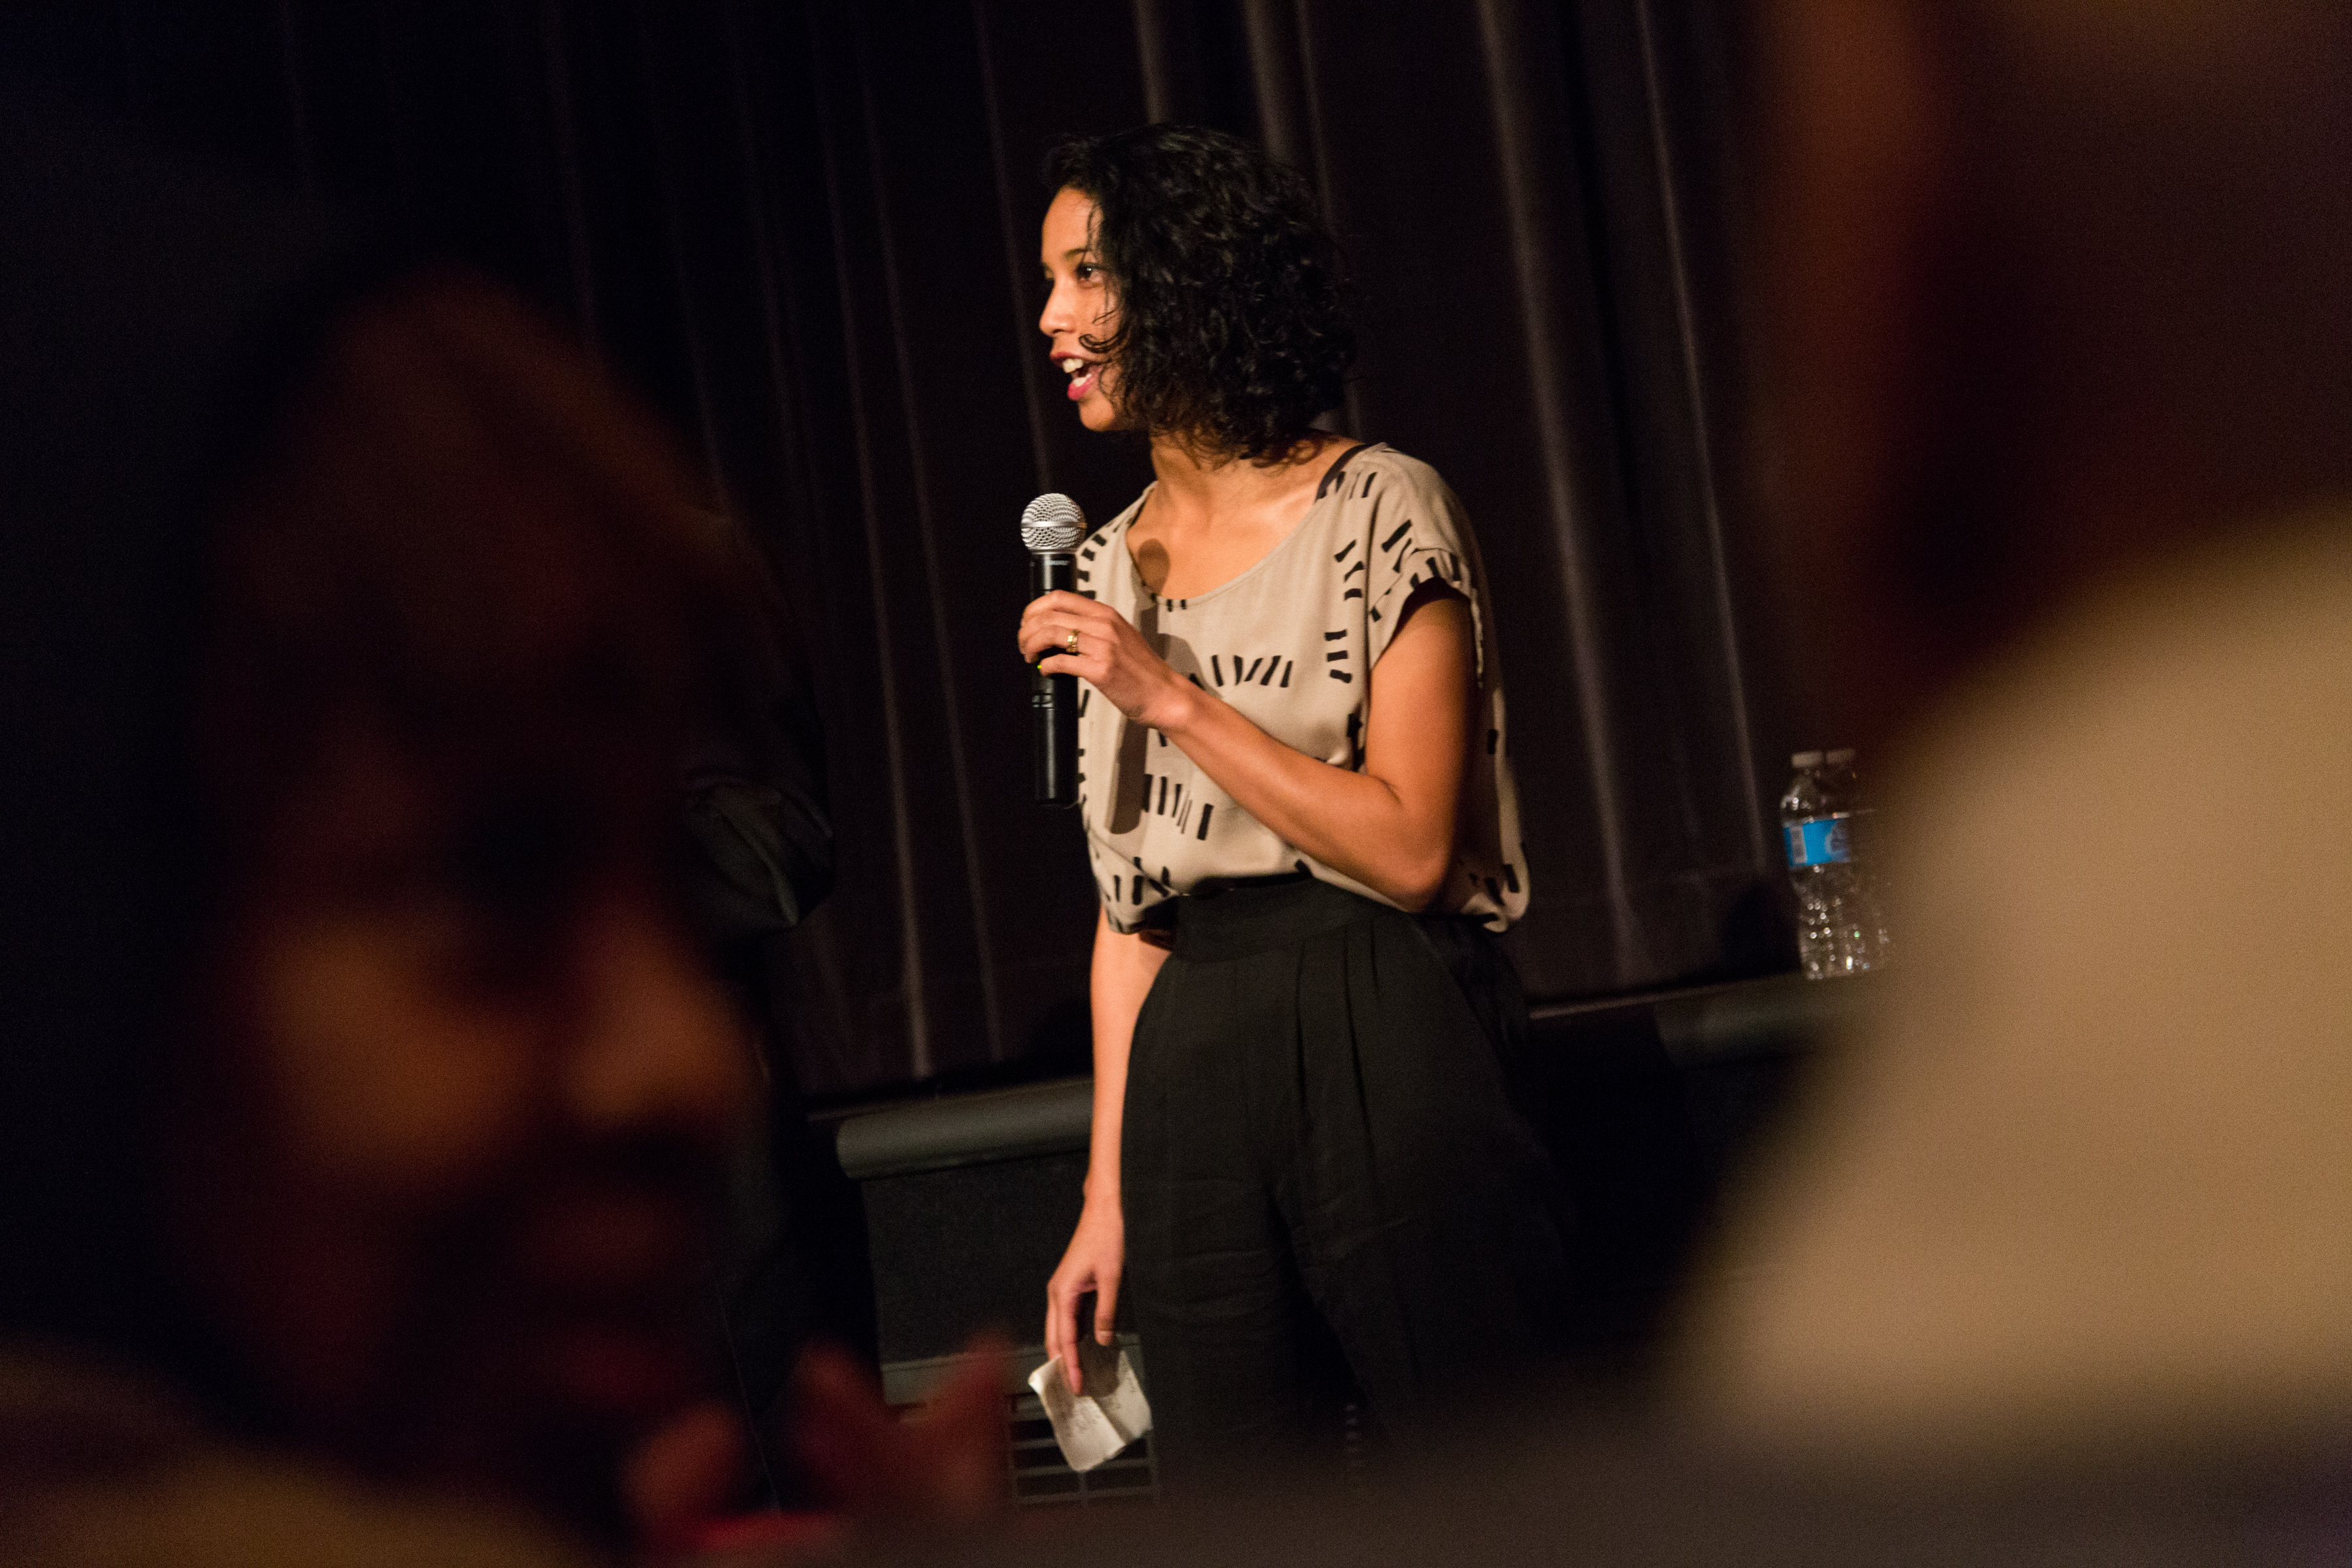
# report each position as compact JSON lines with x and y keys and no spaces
{"x":617,"y":1365}
{"x":1083,"y":374}
{"x":600,"y":1266}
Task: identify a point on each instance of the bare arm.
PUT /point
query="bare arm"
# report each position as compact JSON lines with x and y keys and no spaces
{"x":1391,"y":825}
{"x":1123,"y":970}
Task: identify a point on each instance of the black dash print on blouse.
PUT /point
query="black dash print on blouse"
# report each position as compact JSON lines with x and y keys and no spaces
{"x":1352,"y":570}
{"x":1205,"y":809}
{"x":1390,"y":541}
{"x":1360,"y":495}
{"x":1267,"y":678}
{"x":1285,"y":672}
{"x":1216,"y":669}
{"x":1353,"y":593}
{"x":1343,"y":551}
{"x":1086,"y":593}
{"x":1335,"y":637}
{"x":1340,"y":675}
{"x":1337,"y":474}
{"x":1334,"y":655}
{"x":1162,"y":735}
{"x":1083,"y":690}
{"x":1162,"y":809}
{"x":1087,"y":553}
{"x":1250,"y":673}
{"x":1085,"y":575}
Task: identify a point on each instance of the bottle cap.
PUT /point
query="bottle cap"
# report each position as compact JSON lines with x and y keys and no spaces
{"x":1840,"y":757}
{"x":1805,"y":760}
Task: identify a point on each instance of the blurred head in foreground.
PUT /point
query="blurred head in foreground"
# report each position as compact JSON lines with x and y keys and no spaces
{"x":359,"y":1077}
{"x":2053,"y":289}
{"x":441,"y":1140}
{"x":2063,"y":359}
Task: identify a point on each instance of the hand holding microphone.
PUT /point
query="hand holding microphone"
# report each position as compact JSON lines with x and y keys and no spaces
{"x":1087,"y":639}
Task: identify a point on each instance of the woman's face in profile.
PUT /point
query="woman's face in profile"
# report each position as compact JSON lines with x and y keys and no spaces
{"x":1079,"y":306}
{"x":442,"y":1171}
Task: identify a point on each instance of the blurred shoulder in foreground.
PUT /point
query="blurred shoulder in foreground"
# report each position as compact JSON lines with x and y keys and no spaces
{"x":2081,"y":439}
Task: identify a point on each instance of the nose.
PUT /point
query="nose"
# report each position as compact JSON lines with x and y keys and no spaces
{"x":1056,"y":317}
{"x":656,"y":1048}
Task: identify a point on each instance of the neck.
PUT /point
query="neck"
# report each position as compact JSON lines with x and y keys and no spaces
{"x":1195,"y":476}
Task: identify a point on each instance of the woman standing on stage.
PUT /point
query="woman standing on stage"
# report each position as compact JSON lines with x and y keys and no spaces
{"x":1305,"y":1166}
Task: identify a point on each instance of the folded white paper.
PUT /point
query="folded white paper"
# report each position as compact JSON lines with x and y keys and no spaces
{"x":1096,"y":1424}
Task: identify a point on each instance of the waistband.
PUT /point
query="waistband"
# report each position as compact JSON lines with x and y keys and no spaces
{"x":1238,"y":918}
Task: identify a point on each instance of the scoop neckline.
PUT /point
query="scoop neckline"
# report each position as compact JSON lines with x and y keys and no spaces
{"x":1323,"y":493}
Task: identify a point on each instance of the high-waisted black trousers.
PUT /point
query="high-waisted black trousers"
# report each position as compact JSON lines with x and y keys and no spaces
{"x":1324,"y":1177}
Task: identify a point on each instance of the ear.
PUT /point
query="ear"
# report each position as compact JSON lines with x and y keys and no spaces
{"x":1857,"y":168}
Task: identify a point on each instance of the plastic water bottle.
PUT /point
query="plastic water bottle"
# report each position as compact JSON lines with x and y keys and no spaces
{"x":1839,"y":930}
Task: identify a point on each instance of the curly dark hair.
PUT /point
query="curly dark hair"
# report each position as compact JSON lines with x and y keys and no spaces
{"x":1232,"y":326}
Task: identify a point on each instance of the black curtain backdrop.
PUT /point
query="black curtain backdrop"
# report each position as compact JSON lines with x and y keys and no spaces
{"x":808,"y":231}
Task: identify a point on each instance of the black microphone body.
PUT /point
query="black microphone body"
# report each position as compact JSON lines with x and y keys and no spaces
{"x":1055,"y":699}
{"x":1050,"y":531}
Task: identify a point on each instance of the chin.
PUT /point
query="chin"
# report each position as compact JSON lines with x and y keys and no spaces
{"x":560,"y":1442}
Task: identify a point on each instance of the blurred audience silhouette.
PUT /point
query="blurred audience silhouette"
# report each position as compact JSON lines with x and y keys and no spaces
{"x":2064,"y":367}
{"x":364,"y":1088}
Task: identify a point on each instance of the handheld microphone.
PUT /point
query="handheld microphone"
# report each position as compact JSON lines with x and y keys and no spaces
{"x":1051,"y":526}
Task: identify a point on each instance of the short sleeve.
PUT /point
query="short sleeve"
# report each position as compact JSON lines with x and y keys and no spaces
{"x":1416,"y":532}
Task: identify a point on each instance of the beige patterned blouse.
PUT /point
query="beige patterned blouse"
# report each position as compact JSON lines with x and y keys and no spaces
{"x":1291,"y":643}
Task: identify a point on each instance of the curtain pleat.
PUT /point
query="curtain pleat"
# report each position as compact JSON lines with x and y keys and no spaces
{"x":807,"y":229}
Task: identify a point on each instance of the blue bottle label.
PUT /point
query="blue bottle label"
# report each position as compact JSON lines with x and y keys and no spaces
{"x":1818,"y":841}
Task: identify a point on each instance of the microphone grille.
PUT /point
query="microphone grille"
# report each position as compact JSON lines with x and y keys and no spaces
{"x":1052,"y":524}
